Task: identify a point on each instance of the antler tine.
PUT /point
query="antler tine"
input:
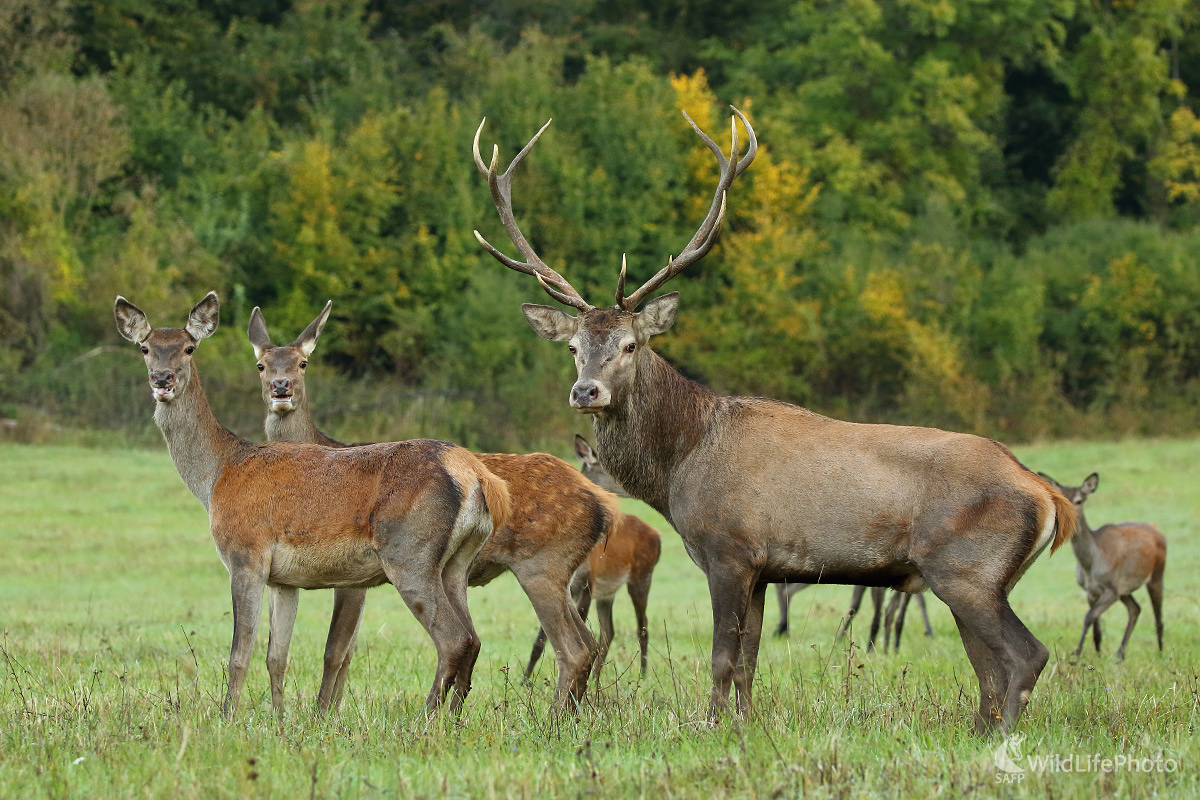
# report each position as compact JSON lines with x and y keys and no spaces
{"x":710,"y":229}
{"x":501,"y":188}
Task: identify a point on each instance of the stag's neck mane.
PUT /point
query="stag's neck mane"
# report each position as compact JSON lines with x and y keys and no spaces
{"x":297,"y":427}
{"x":200,"y":446}
{"x":652,"y":428}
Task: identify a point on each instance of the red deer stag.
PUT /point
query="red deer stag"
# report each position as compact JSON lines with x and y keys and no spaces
{"x":1112,"y":562}
{"x":556,"y":520}
{"x":762,"y":491}
{"x":627,"y":557}
{"x":290,"y":517}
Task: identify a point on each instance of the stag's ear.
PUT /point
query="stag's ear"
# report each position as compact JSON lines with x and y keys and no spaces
{"x":1089,"y":485}
{"x":550,"y":323}
{"x":584,"y":450}
{"x":657,"y":316}
{"x":204,"y":317}
{"x":131,"y":321}
{"x":257,"y":331}
{"x":307,"y":341}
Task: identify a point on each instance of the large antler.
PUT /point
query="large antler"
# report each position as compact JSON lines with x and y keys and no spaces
{"x":501,"y":185}
{"x":710,"y":229}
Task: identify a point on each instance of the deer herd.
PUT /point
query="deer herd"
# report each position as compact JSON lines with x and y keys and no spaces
{"x":760,"y":491}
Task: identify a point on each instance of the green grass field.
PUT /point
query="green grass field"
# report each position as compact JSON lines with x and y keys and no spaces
{"x":116,"y":624}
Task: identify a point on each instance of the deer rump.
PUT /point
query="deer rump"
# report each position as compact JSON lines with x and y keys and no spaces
{"x":327,"y":533}
{"x":858,"y":504}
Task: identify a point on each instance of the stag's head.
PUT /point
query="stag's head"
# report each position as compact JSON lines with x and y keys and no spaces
{"x":607,"y":343}
{"x":168,"y":351}
{"x":281,"y":369}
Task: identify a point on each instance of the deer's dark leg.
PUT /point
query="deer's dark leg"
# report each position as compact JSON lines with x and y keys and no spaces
{"x":1096,"y":635}
{"x":877,"y":593}
{"x":339,"y":645}
{"x":604,"y":608}
{"x":1134,"y":611}
{"x":924,"y":615}
{"x":781,"y":597}
{"x":991,"y":676}
{"x":281,"y":604}
{"x":889,"y":617}
{"x":1106,"y":599}
{"x":639,"y":593}
{"x":855,"y":601}
{"x":1155,"y":588}
{"x":729,"y":586}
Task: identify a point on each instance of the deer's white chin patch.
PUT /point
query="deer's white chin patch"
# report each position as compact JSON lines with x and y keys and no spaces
{"x":281,"y":404}
{"x":163,"y":394}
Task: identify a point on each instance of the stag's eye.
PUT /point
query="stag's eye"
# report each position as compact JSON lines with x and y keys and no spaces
{"x":571,"y":348}
{"x":145,"y":350}
{"x":261,"y":367}
{"x":190,"y":350}
{"x":303,"y":364}
{"x":629,"y":348}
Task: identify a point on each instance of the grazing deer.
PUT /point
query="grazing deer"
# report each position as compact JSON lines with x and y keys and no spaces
{"x":626,"y":557}
{"x":290,"y":517}
{"x":557,"y":518}
{"x":1112,"y":562}
{"x":763,"y":492}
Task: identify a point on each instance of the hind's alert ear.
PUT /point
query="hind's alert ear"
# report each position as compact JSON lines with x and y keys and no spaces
{"x":307,"y":341}
{"x":1089,"y":484}
{"x":584,"y":450}
{"x":204,"y":317}
{"x":257,"y":333}
{"x":131,"y":320}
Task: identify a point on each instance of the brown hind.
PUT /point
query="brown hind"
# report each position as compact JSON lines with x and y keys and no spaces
{"x":1112,"y":562}
{"x":626,"y":558}
{"x":557,"y":518}
{"x":287,"y":516}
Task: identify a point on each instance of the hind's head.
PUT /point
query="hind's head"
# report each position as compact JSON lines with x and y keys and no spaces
{"x":168,"y":351}
{"x":281,"y":367}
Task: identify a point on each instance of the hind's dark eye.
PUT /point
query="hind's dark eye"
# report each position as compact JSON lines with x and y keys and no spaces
{"x":190,"y":350}
{"x":571,"y":348}
{"x":261,"y":367}
{"x":303,"y":364}
{"x":145,"y":351}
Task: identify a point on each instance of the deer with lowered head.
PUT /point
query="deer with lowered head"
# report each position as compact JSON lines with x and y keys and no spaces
{"x":626,"y":557}
{"x":286,"y":517}
{"x":763,"y":491}
{"x":1113,"y":561}
{"x":557,"y":518}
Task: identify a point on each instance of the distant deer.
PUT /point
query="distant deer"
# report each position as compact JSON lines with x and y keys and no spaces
{"x":290,"y":517}
{"x":627,"y":557}
{"x":557,"y":518}
{"x":1112,"y":562}
{"x":896,"y":609}
{"x":764,"y":492}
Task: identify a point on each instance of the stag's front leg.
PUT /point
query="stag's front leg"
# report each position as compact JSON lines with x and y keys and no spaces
{"x":743,"y":675}
{"x":339,"y":645}
{"x":282,"y":602}
{"x":246,"y":583}
{"x":729,"y":587}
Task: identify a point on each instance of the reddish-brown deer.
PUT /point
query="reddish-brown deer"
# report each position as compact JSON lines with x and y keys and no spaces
{"x":557,"y":518}
{"x":627,"y":557}
{"x":1112,"y":562}
{"x":762,"y":491}
{"x":288,"y":517}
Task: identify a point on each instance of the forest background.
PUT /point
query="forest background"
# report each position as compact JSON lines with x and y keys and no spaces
{"x":974,"y":214}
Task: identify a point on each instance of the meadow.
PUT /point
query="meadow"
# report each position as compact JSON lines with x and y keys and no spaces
{"x":115,"y":625}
